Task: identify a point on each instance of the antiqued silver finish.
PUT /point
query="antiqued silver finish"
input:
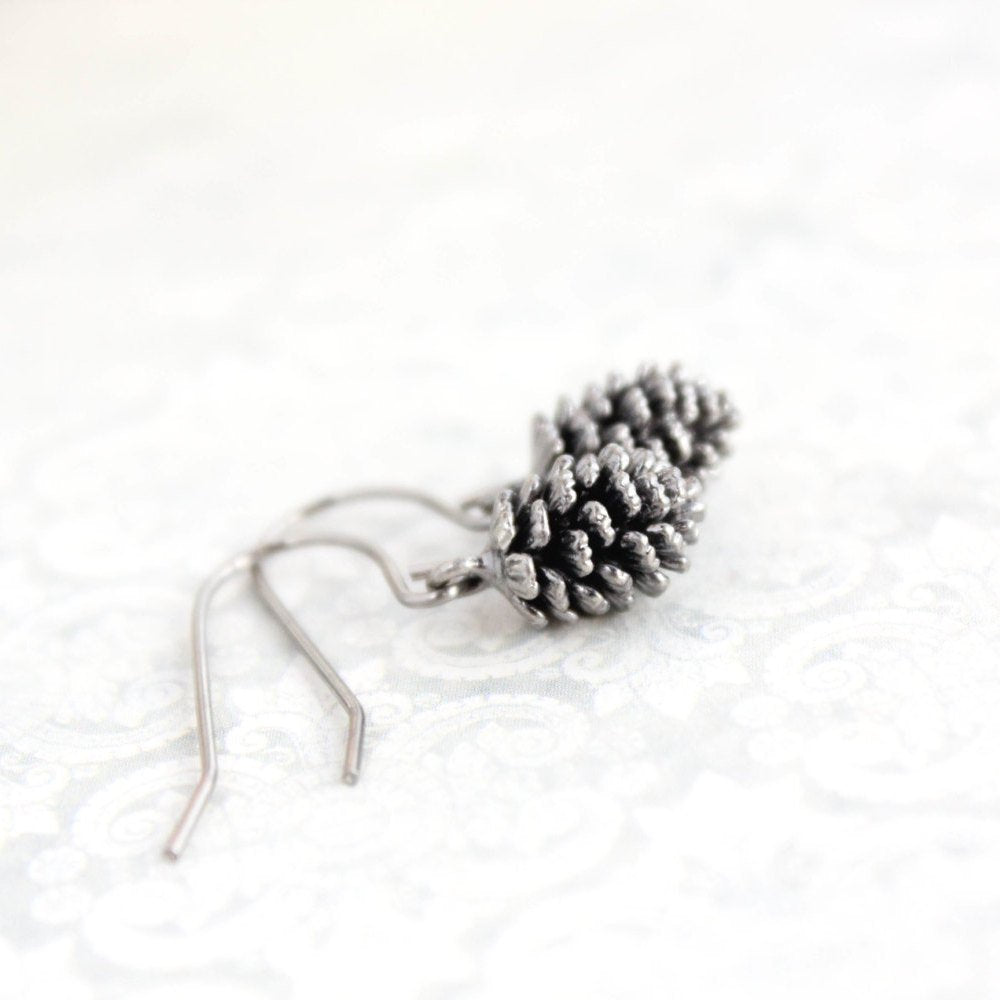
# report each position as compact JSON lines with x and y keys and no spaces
{"x":611,"y":507}
{"x":675,"y":416}
{"x":616,"y":523}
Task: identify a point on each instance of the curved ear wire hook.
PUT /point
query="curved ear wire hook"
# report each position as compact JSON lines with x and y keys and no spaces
{"x":346,"y":697}
{"x":402,"y":588}
{"x":623,"y":470}
{"x":467,"y":515}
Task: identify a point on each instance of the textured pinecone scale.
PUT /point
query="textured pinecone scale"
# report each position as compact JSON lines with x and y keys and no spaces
{"x":679,"y":418}
{"x":596,"y":527}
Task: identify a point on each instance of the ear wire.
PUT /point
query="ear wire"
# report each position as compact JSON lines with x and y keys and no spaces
{"x":613,"y":502}
{"x":455,"y":578}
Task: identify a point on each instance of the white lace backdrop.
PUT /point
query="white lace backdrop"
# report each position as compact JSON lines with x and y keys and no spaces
{"x":254,"y":252}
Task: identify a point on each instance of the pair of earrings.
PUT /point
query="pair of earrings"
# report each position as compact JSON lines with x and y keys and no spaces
{"x":611,"y":507}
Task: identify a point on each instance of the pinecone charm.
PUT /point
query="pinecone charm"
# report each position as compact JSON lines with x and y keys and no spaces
{"x":676,"y":417}
{"x":583,"y":537}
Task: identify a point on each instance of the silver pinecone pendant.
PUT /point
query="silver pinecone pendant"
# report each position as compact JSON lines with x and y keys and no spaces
{"x":616,"y":498}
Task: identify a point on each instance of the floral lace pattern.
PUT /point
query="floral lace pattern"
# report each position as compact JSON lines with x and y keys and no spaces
{"x":232,"y":282}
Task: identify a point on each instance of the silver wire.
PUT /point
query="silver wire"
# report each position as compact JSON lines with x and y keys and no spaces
{"x":464,"y":573}
{"x":346,"y":697}
{"x":455,"y":578}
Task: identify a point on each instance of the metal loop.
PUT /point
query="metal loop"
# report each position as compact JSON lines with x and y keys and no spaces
{"x":468,"y":575}
{"x":447,"y":582}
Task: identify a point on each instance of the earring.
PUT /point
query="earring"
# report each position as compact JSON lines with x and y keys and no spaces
{"x":613,"y":503}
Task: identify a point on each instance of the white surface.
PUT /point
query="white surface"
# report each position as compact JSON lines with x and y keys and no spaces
{"x":251,"y":253}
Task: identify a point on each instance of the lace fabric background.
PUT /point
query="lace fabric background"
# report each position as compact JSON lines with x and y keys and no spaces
{"x":255,"y":253}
